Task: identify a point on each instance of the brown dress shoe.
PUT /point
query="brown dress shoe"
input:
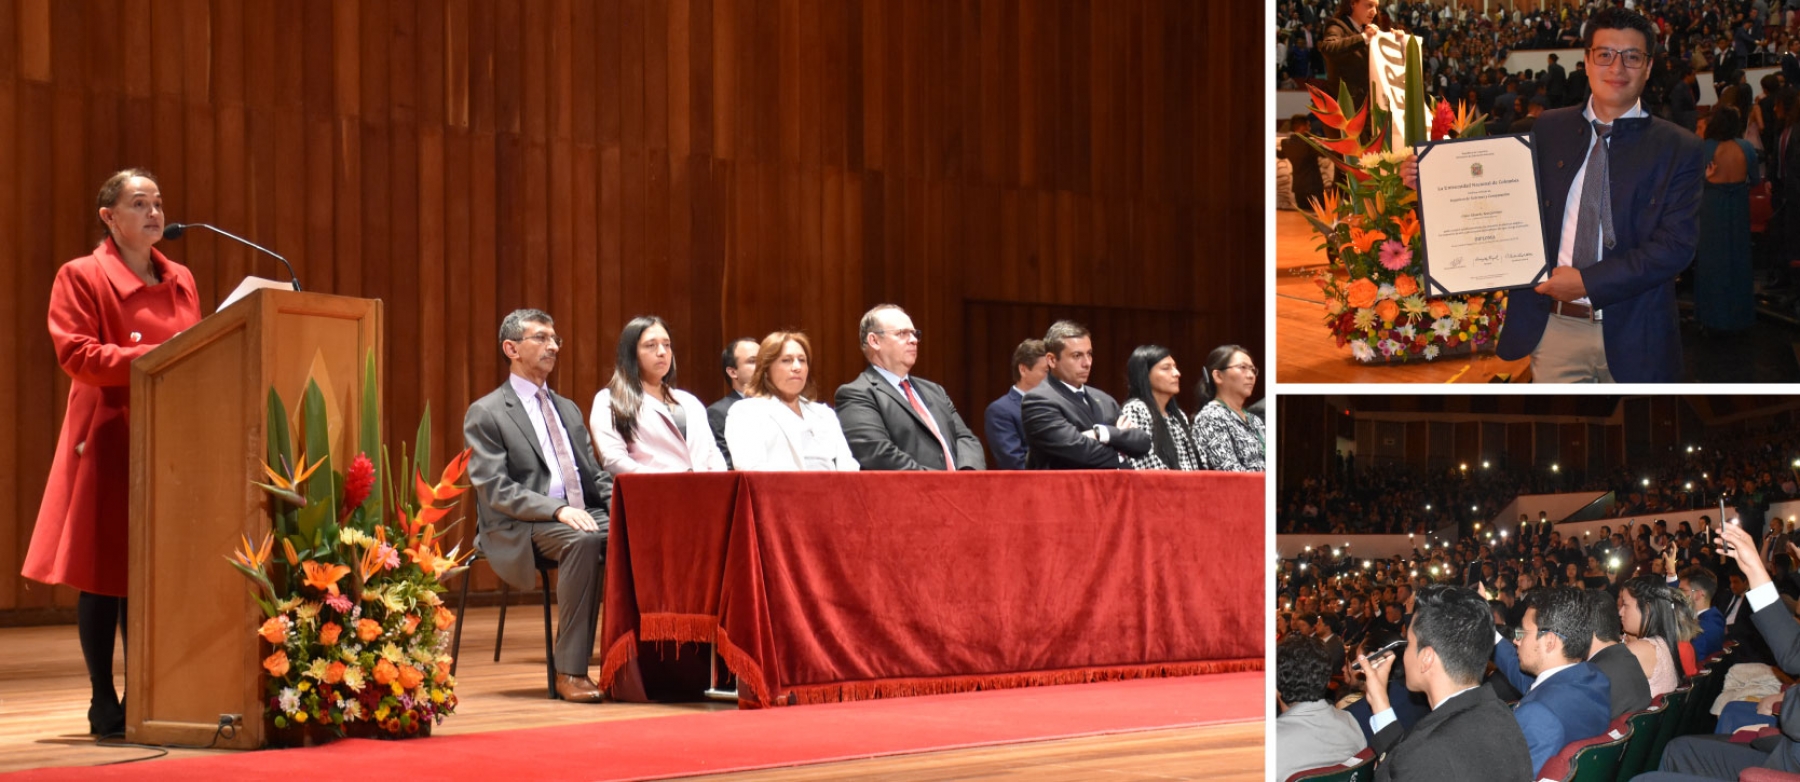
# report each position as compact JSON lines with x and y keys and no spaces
{"x":577,"y":689}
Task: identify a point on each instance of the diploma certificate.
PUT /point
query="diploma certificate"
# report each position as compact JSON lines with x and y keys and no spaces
{"x":1478,"y":214}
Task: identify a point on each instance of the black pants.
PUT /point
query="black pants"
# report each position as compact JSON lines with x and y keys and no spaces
{"x":97,"y":617}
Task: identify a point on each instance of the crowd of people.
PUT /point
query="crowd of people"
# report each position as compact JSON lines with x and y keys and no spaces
{"x":1749,"y":471}
{"x":1482,"y":662}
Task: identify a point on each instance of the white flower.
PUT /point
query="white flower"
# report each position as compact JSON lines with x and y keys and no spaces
{"x":1362,"y":351}
{"x":1369,"y":161}
{"x":1443,"y":326}
{"x":1397,"y":156}
{"x":1386,"y":291}
{"x":1459,"y":310}
{"x":1413,"y":305}
{"x":1431,"y":352}
{"x":1364,"y":318}
{"x":1408,"y":332}
{"x":289,"y":700}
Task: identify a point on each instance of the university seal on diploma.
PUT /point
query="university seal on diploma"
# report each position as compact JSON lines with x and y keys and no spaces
{"x":1478,"y":215}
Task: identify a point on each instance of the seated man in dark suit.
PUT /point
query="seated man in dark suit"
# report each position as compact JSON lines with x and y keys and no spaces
{"x":1469,"y":733}
{"x":739,"y":363}
{"x":1629,"y":687}
{"x":1068,"y":424}
{"x":1005,"y":428}
{"x":893,"y":420}
{"x":538,"y":487}
{"x":1699,"y":584}
{"x":1566,"y":698}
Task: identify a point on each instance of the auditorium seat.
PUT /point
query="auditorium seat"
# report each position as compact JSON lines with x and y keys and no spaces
{"x":1640,"y":734}
{"x":1593,"y":759}
{"x":1669,"y":725}
{"x":1363,"y":770}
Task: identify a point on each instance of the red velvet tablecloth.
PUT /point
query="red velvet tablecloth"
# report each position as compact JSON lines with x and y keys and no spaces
{"x":836,"y":586}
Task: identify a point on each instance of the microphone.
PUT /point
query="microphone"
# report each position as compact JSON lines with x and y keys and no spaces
{"x":177,"y":230}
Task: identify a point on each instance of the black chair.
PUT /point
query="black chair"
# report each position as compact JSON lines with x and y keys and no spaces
{"x":544,"y":568}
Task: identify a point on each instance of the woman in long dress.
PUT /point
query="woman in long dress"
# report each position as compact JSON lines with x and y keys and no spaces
{"x":1723,"y":296}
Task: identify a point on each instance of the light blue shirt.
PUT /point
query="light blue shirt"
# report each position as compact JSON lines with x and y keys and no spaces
{"x":893,"y":380}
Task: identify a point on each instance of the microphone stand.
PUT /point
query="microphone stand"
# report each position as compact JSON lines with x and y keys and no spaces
{"x":175,"y":230}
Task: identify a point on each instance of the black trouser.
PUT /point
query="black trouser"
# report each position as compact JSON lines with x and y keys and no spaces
{"x":96,"y":619}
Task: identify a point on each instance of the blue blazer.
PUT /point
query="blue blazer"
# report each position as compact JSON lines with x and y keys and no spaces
{"x":1574,"y":704}
{"x":1712,"y":634}
{"x":1658,"y":173}
{"x":1006,"y":431}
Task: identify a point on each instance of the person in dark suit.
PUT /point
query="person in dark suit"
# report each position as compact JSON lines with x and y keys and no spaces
{"x":1070,"y":425}
{"x":894,"y":420}
{"x":1345,"y":46}
{"x":1307,"y":183}
{"x":538,"y":488}
{"x":1684,"y":109}
{"x":1003,"y":423}
{"x":1621,"y":228}
{"x":1715,"y":756}
{"x":739,"y":363}
{"x":1529,"y":118}
{"x":1556,"y":82}
{"x":1629,"y":687}
{"x":1566,"y":698}
{"x":1699,"y":584}
{"x":1469,"y":734}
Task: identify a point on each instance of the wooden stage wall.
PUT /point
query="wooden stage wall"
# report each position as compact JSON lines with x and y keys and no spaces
{"x":734,"y":167}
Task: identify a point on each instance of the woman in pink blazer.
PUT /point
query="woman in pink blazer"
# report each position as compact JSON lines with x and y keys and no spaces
{"x":640,"y":421}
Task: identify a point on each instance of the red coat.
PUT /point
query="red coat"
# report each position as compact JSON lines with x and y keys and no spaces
{"x":101,"y":318}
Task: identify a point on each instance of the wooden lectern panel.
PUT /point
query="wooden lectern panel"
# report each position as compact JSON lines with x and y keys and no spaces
{"x":197,"y":439}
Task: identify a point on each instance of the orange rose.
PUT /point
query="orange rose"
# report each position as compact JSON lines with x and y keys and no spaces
{"x":409,"y":623}
{"x":277,"y":663}
{"x":445,"y":618}
{"x":1405,"y":286}
{"x":1362,"y":293}
{"x":1439,"y":309}
{"x":275,"y":630}
{"x":334,"y":673}
{"x":385,"y":672}
{"x":411,"y":676}
{"x":368,"y":630}
{"x":440,"y":673}
{"x":1387,"y":310}
{"x":328,"y":635}
{"x":1475,"y":303}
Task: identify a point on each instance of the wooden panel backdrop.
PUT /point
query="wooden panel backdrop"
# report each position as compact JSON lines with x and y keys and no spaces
{"x":732,"y":166}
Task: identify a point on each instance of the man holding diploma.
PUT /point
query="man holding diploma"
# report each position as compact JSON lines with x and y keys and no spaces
{"x":1621,"y":195}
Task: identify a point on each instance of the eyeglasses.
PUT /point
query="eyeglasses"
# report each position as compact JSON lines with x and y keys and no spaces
{"x":552,"y":339}
{"x":1249,"y":369}
{"x":903,"y":334}
{"x":1634,"y":58}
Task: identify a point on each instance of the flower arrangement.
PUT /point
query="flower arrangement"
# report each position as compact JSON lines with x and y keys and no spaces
{"x":1376,"y":300}
{"x":358,"y":637}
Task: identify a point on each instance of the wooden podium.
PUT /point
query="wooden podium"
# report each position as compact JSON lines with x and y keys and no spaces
{"x":198,"y":407}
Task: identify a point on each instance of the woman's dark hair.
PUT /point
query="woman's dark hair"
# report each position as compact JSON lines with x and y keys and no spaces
{"x":114,"y":188}
{"x":1661,"y":607}
{"x":1137,"y":386}
{"x":1218,"y":359}
{"x":627,"y":386}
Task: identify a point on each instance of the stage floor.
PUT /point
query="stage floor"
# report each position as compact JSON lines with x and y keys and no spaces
{"x":1305,"y":352}
{"x":43,"y":708}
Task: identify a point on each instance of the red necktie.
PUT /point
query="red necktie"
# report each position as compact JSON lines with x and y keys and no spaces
{"x":918,"y":407}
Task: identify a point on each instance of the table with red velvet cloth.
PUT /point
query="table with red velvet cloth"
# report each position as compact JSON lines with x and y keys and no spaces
{"x":836,"y":586}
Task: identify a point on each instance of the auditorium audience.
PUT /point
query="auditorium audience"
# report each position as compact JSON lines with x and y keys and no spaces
{"x":1003,"y":422}
{"x":1309,"y":731}
{"x":641,"y":422}
{"x":1153,"y":384}
{"x":1227,"y":437}
{"x":1565,"y":698}
{"x":1469,"y":734}
{"x":779,"y":427}
{"x":1070,"y":425}
{"x":106,"y":309}
{"x":738,"y":362}
{"x":539,"y":489}
{"x":894,"y":420}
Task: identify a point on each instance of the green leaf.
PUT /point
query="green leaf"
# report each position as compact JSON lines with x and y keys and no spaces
{"x":309,"y":521}
{"x":280,"y":451}
{"x":422,"y":445}
{"x":1415,"y":94}
{"x":322,"y":494}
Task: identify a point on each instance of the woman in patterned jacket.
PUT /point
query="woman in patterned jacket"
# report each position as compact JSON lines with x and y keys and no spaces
{"x":1227,"y":437}
{"x":1152,"y":382}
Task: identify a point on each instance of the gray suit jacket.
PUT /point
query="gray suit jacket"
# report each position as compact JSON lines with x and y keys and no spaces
{"x":1054,"y":420}
{"x":886,"y":433}
{"x":511,"y":475}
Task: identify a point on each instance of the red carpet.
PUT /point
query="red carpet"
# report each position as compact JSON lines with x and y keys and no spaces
{"x":663,"y":747}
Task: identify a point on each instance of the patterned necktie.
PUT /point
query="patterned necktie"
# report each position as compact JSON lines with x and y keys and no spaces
{"x":565,"y":461}
{"x":1593,"y":224}
{"x":919,"y":407}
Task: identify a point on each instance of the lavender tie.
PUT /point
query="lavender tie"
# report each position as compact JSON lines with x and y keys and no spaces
{"x":565,"y":461}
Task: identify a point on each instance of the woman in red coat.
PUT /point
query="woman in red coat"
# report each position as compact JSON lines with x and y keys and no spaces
{"x":106,"y":309}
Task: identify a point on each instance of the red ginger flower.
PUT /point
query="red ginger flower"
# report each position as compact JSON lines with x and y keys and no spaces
{"x":1440,"y":121}
{"x":358,"y":482}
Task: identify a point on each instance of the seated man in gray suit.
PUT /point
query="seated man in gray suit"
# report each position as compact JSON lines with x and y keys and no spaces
{"x":538,"y":486}
{"x":1070,"y":425}
{"x":893,"y":420}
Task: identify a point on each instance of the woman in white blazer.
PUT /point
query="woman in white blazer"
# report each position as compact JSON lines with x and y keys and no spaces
{"x":779,"y":427}
{"x":640,"y":421}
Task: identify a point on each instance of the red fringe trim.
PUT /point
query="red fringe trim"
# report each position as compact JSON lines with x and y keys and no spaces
{"x":748,"y":672}
{"x":616,"y":657}
{"x":690,"y":628}
{"x":900,"y":688}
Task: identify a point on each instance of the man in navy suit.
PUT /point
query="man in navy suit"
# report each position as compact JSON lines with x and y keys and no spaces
{"x":1620,"y":196}
{"x":1005,"y":428}
{"x":1567,"y":699}
{"x":1699,"y":584}
{"x":1070,"y":425}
